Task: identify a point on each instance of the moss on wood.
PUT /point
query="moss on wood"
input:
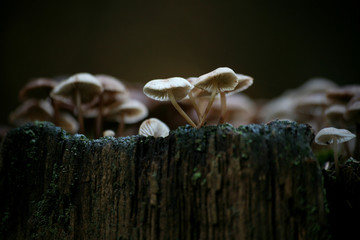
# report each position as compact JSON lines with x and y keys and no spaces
{"x":217,"y":182}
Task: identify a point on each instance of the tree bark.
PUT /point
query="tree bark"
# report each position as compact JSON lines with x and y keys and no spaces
{"x":217,"y":182}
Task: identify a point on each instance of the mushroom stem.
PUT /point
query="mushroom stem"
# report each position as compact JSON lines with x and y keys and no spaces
{"x":179,"y":109}
{"x":208,"y":107}
{"x":79,"y":110}
{"x":223,"y":107}
{"x":336,"y":160}
{"x":56,"y":111}
{"x":99,"y":117}
{"x":121,"y":126}
{"x":195,"y":105}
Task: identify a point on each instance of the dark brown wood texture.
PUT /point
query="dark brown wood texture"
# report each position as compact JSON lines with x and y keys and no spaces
{"x":217,"y":182}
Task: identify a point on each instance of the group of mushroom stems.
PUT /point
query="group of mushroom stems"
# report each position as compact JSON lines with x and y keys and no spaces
{"x":331,"y":110}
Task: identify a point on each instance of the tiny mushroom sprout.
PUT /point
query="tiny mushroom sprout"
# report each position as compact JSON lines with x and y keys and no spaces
{"x":333,"y":136}
{"x":109,"y":133}
{"x":221,"y":80}
{"x":173,"y":89}
{"x":80,"y":88}
{"x":154,"y":127}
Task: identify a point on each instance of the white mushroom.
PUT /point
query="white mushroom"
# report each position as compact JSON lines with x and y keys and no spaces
{"x":220,"y":80}
{"x":173,"y":89}
{"x":333,"y":136}
{"x":154,"y":127}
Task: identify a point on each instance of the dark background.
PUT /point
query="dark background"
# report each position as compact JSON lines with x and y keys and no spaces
{"x":281,"y":44}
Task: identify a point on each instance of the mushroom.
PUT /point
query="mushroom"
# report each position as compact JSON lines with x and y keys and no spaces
{"x":108,"y":133}
{"x":67,"y":122}
{"x":173,"y":89}
{"x":154,"y":127}
{"x":218,"y":81}
{"x":80,"y":88}
{"x":129,"y":112}
{"x":113,"y":88}
{"x":32,"y":110}
{"x":39,"y":88}
{"x":333,"y":136}
{"x":353,"y":115}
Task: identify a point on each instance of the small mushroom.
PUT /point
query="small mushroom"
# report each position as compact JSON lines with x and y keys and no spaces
{"x":67,"y":122}
{"x":112,"y":88}
{"x":352,"y":114}
{"x":173,"y":89}
{"x":154,"y":127}
{"x":333,"y":136}
{"x":221,"y":80}
{"x":30,"y":111}
{"x":129,"y":112}
{"x":80,"y":88}
{"x":39,"y":88}
{"x":109,"y":133}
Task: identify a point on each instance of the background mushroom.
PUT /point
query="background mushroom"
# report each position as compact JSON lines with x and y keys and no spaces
{"x":80,"y":88}
{"x":333,"y":136}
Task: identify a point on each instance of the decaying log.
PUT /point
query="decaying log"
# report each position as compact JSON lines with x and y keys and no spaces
{"x":217,"y":182}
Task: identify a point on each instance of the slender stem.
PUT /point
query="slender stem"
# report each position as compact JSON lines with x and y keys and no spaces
{"x":79,"y":110}
{"x":195,"y":105}
{"x":55,"y":105}
{"x":208,"y":107}
{"x":99,"y":117}
{"x":336,"y":160}
{"x":179,"y":109}
{"x":121,"y":126}
{"x":223,"y":107}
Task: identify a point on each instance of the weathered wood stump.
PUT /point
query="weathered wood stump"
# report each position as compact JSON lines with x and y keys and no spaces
{"x":217,"y":182}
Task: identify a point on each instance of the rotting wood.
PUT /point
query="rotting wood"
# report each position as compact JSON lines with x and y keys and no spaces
{"x":217,"y":182}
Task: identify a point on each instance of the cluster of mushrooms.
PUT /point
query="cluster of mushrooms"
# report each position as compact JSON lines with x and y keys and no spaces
{"x":107,"y":99}
{"x":212,"y":98}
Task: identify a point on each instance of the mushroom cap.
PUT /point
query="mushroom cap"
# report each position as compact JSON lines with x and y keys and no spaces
{"x":111,"y":84}
{"x":32,"y":110}
{"x":132,"y":110}
{"x":159,"y":89}
{"x":154,"y":127}
{"x":109,"y":133}
{"x":353,"y":109}
{"x":67,"y":122}
{"x":224,"y":78}
{"x":316,"y":85}
{"x":244,"y":82}
{"x":39,"y":88}
{"x":343,"y":94}
{"x":330,"y":135}
{"x":88,"y":86}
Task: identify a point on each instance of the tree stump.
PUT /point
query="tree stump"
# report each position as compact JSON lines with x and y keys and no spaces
{"x":217,"y":182}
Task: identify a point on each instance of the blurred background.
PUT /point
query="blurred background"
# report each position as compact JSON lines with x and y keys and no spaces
{"x":279,"y":43}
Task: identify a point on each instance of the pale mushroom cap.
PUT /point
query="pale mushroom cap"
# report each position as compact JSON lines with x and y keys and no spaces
{"x":154,"y":127}
{"x":67,"y":122}
{"x":159,"y":89}
{"x":87,"y":84}
{"x":39,"y":88}
{"x":133,"y":111}
{"x":335,"y":111}
{"x":109,"y":133}
{"x":244,"y":82}
{"x":32,"y":110}
{"x":330,"y":135}
{"x":111,"y":84}
{"x":224,"y":78}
